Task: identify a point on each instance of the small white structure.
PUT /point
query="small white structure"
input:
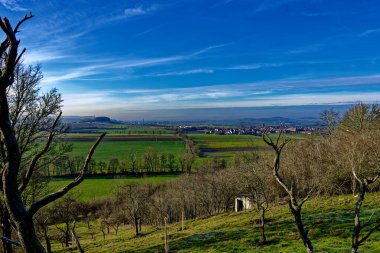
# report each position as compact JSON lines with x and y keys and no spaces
{"x":242,"y":203}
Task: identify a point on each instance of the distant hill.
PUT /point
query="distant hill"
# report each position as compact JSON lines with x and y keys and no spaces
{"x":89,"y":119}
{"x":103,"y":119}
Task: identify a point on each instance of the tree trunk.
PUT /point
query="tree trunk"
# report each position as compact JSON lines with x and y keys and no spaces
{"x":301,"y":229}
{"x":7,"y":230}
{"x":67,"y":235}
{"x":136,"y":226}
{"x":263,"y":226}
{"x":28,"y":238}
{"x":47,"y":239}
{"x":354,"y":187}
{"x":357,"y":227}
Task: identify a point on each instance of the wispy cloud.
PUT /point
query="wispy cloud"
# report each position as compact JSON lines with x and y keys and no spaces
{"x":12,"y":5}
{"x":307,"y":49}
{"x":343,"y":90}
{"x":271,"y":4}
{"x":255,"y":66}
{"x":110,"y":65}
{"x":138,"y":11}
{"x":185,"y":72}
{"x":147,"y":31}
{"x":369,"y":32}
{"x":207,"y":49}
{"x":42,"y":56}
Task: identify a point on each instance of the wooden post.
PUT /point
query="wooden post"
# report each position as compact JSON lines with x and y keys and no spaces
{"x":166,"y":236}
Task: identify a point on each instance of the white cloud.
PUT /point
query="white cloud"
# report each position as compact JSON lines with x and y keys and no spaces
{"x":256,"y":66}
{"x":12,"y":5}
{"x":185,"y":72}
{"x":138,"y":11}
{"x":110,"y":65}
{"x":259,"y":94}
{"x":41,"y":56}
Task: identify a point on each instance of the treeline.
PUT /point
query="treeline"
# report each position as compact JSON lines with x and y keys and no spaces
{"x":149,"y":162}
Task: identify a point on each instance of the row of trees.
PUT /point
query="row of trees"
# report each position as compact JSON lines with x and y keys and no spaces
{"x":150,"y":161}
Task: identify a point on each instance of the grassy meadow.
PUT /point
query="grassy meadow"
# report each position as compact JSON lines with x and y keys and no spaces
{"x":226,"y":141}
{"x":329,"y":220}
{"x":98,"y":188}
{"x":235,"y":141}
{"x":122,"y":149}
{"x":227,"y":146}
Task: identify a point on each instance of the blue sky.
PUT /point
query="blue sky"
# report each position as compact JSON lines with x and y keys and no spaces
{"x":120,"y":58}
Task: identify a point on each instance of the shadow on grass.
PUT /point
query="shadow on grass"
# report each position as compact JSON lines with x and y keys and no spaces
{"x":200,"y":241}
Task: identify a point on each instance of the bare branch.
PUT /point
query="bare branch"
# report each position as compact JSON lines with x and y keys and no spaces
{"x":56,"y":195}
{"x":306,"y":198}
{"x":76,"y":239}
{"x":3,"y":27}
{"x":369,"y":222}
{"x":19,"y":56}
{"x":26,"y":17}
{"x":279,"y":136}
{"x":29,"y":173}
{"x":369,"y":233}
{"x":7,"y":240}
{"x":267,"y":139}
{"x":356,"y":176}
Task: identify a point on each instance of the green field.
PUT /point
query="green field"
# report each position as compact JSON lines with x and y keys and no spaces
{"x":142,"y":130}
{"x":122,"y":149}
{"x":235,"y":141}
{"x":329,"y":220}
{"x":226,"y":141}
{"x":227,"y":146}
{"x":98,"y":188}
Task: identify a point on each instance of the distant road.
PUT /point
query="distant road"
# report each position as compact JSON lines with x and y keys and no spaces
{"x":122,"y":138}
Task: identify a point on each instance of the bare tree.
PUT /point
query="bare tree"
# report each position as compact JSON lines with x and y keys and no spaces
{"x":257,"y":185}
{"x":150,"y":159}
{"x":76,"y":239}
{"x":362,"y":153}
{"x":12,"y":150}
{"x":295,"y":204}
{"x":187,"y":160}
{"x":331,"y":119}
{"x":372,"y":225}
{"x":360,"y":117}
{"x":135,"y":200}
{"x":42,"y":221}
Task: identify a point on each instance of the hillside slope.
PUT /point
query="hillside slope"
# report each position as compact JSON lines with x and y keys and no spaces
{"x":329,"y":220}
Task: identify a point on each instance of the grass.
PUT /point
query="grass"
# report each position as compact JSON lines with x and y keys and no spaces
{"x":235,"y":141}
{"x":122,"y":149}
{"x":98,"y":188}
{"x":111,"y":132}
{"x":226,"y":141}
{"x":329,"y":220}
